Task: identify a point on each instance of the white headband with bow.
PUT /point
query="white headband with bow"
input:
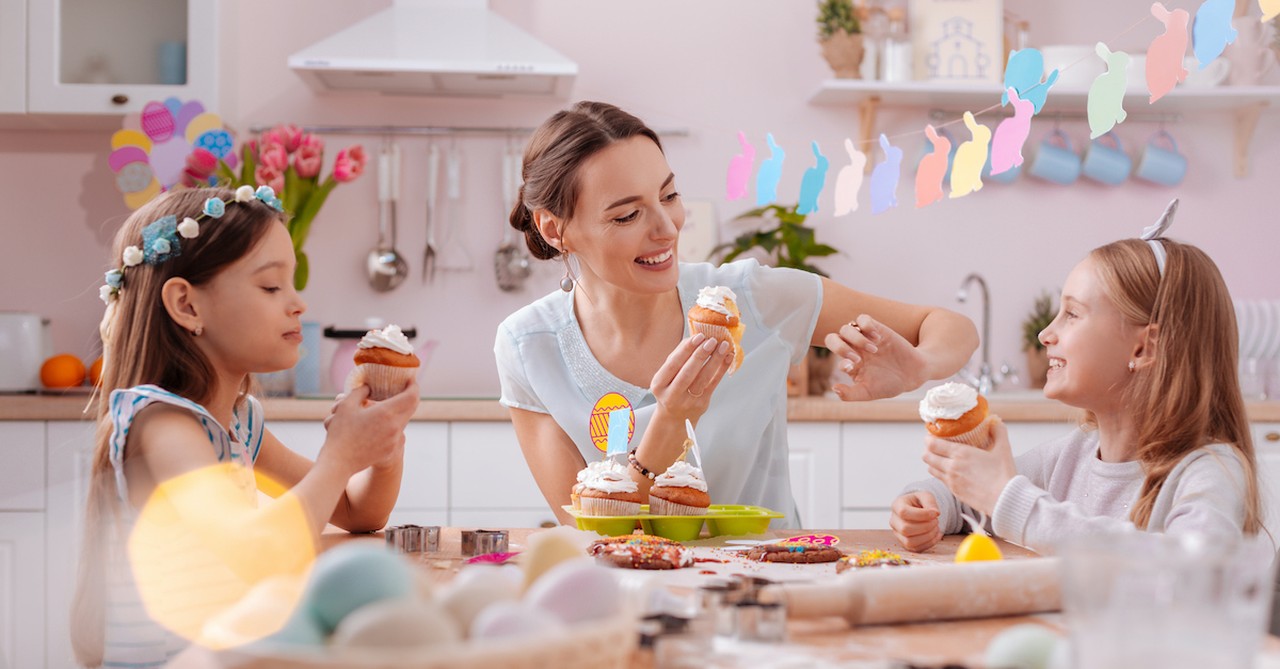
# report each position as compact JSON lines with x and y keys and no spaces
{"x":1151,"y":233}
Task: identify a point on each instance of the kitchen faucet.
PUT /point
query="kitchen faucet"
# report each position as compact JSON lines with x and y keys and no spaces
{"x":984,"y":381}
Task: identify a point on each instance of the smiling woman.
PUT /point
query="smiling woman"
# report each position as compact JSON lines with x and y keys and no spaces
{"x":599,"y":196}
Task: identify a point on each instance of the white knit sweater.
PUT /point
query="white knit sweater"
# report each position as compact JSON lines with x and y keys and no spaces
{"x":1063,"y":490}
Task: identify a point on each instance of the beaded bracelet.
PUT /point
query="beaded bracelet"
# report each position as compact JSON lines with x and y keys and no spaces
{"x":631,"y":457}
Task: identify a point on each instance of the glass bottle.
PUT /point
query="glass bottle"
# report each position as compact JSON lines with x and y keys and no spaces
{"x":896,"y":61}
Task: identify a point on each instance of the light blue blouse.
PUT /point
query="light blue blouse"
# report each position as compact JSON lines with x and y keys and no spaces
{"x":545,"y":366}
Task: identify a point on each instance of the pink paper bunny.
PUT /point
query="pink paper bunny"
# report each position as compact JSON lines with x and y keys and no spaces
{"x":1164,"y":57}
{"x":1011,"y":134}
{"x":932,"y":169}
{"x":740,"y":169}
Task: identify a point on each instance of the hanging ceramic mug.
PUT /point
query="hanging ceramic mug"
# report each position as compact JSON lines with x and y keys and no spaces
{"x":1105,"y":160}
{"x":1056,"y":159}
{"x":1162,"y":163}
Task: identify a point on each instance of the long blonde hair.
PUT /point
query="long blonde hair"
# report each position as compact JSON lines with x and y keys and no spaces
{"x":1190,"y":396}
{"x":143,"y":345}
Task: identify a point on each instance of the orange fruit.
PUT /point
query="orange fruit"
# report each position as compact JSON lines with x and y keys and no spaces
{"x":62,"y":371}
{"x":95,"y":372}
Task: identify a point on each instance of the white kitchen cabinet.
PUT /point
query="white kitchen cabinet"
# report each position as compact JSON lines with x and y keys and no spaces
{"x":22,"y":592}
{"x":490,"y":518}
{"x":69,"y":453}
{"x":815,"y":473}
{"x":487,"y":470}
{"x":13,"y":56}
{"x":22,"y":477}
{"x":113,"y":56}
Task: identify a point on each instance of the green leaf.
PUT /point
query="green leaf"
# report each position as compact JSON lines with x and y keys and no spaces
{"x":303,"y":271}
{"x":822,"y":250}
{"x":300,"y":224}
{"x":248,"y":165}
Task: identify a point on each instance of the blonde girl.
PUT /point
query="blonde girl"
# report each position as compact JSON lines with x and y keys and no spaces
{"x":200,"y":296}
{"x":1145,"y":342}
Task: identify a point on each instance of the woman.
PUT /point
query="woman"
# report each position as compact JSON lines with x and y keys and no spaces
{"x":597,"y":189}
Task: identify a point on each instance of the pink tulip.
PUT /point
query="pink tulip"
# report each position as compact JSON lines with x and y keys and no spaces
{"x":311,"y":140}
{"x":349,"y":164}
{"x":201,"y":164}
{"x":267,"y":176}
{"x":307,"y":161}
{"x":275,"y":157}
{"x":272,"y":138}
{"x":252,"y":145}
{"x":290,"y":136}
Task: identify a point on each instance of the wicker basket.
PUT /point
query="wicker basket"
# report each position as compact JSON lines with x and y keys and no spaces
{"x":599,"y":645}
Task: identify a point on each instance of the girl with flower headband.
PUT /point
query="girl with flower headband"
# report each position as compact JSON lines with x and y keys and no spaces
{"x":1145,"y":342}
{"x":201,"y":296}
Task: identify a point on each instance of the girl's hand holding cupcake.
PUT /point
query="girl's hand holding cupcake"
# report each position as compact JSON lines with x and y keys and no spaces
{"x":363,"y":434}
{"x":975,"y":476}
{"x":685,"y":382}
{"x":878,"y":359}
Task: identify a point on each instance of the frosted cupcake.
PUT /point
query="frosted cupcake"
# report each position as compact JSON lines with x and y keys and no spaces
{"x":592,"y":469}
{"x":957,"y":412}
{"x":679,"y":491}
{"x":609,"y":492}
{"x":385,"y":362}
{"x":716,"y":315}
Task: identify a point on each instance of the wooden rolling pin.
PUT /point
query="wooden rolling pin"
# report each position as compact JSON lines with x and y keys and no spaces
{"x":927,"y":592}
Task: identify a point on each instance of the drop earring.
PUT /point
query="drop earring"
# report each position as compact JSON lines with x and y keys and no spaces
{"x":566,"y":284}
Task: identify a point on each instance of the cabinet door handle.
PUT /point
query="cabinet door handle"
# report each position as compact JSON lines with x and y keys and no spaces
{"x":548,"y":523}
{"x":1272,"y":436}
{"x":119,"y":99}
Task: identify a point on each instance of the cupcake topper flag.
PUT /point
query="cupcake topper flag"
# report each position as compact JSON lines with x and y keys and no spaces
{"x":619,"y":435}
{"x":602,"y":415}
{"x":693,"y":441}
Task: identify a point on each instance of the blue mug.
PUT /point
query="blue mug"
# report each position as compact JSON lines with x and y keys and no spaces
{"x":1106,"y":162}
{"x":1161,"y":161}
{"x":1056,"y":160}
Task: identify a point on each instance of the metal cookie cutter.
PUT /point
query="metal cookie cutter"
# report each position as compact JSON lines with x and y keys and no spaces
{"x":483,"y":542}
{"x":414,"y":538}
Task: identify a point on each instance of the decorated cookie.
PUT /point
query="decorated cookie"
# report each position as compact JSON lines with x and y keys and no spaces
{"x":795,"y":552}
{"x":641,"y":551}
{"x":871,"y":558}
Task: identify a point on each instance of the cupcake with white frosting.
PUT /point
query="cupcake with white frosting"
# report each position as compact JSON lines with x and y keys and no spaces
{"x":592,"y":469}
{"x":609,"y":491}
{"x":679,"y":491}
{"x":716,"y":316}
{"x":957,"y":412}
{"x":385,"y":362}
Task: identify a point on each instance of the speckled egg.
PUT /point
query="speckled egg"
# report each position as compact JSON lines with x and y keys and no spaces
{"x":474,"y":589}
{"x":506,"y":620}
{"x":396,"y":623}
{"x":577,"y":591}
{"x":352,"y":575}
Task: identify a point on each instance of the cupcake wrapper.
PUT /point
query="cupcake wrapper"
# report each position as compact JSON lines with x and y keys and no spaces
{"x":661,"y":507}
{"x":576,"y":501}
{"x":717,"y":332}
{"x":603,"y":506}
{"x":978,"y":437}
{"x":383,"y":380}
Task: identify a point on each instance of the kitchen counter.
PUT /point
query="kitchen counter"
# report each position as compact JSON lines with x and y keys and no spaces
{"x":1015,"y":406}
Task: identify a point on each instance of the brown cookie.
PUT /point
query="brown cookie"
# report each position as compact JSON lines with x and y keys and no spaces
{"x":794,"y":552}
{"x":641,"y":551}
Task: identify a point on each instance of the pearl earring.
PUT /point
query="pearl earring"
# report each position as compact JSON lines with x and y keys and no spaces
{"x":1132,"y":366}
{"x":198,"y":331}
{"x":566,"y":284}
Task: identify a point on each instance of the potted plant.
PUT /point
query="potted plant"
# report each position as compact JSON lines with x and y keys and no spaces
{"x":840,"y":35}
{"x":1042,"y":313}
{"x":786,"y":241}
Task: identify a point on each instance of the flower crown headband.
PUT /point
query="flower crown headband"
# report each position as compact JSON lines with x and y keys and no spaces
{"x":161,"y":239}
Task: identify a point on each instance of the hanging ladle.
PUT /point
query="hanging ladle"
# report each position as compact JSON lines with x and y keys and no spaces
{"x":387,"y":268}
{"x":510,"y":263}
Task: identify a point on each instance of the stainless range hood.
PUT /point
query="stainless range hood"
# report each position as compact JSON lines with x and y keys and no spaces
{"x":436,"y":47}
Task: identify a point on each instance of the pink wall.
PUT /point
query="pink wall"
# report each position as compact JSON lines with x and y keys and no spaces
{"x":711,"y":67}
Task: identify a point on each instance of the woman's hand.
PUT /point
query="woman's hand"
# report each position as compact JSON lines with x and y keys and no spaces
{"x":880,"y":362}
{"x":976,"y":477}
{"x":914,"y":521}
{"x":684,"y":383}
{"x":363,"y":433}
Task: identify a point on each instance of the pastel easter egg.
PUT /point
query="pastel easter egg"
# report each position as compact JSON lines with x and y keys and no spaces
{"x":168,"y":160}
{"x":157,"y":122}
{"x":599,"y":420}
{"x":217,"y":142}
{"x":125,"y":155}
{"x":127,"y":137}
{"x":173,"y":105}
{"x":577,"y":591}
{"x":138,"y":198}
{"x":546,"y":550}
{"x":187,"y":112}
{"x":396,"y":623}
{"x":202,"y":124}
{"x":508,"y":620}
{"x":475,"y":589}
{"x":352,"y":575}
{"x":1027,"y":646}
{"x":134,"y":177}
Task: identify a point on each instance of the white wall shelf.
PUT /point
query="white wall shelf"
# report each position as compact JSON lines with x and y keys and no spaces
{"x":1246,"y":103}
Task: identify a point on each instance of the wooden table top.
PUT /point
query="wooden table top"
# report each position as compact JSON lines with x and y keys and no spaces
{"x":830,"y":640}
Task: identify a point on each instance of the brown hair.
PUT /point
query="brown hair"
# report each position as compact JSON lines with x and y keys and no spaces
{"x":1190,"y":396}
{"x":551,"y":161}
{"x":143,"y":345}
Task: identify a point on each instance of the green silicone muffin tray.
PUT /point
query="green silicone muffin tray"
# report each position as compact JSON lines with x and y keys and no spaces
{"x":721,"y":520}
